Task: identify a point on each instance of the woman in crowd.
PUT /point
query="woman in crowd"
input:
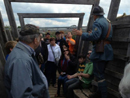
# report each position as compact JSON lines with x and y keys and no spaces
{"x":66,"y":66}
{"x":54,"y":54}
{"x":9,"y":47}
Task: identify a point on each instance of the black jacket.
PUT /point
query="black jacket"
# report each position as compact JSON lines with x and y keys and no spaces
{"x":71,"y":68}
{"x":43,"y":50}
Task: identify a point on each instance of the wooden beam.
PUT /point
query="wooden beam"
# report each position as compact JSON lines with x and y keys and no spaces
{"x":121,"y":22}
{"x":21,"y":21}
{"x":121,"y":39}
{"x":2,"y":56}
{"x":3,"y":36}
{"x":114,"y":74}
{"x":88,"y":2}
{"x":121,"y":57}
{"x":113,"y":10}
{"x":128,"y":49}
{"x":10,"y":38}
{"x":113,"y":92}
{"x":51,"y":15}
{"x":11,"y":18}
{"x":2,"y":28}
{"x":79,"y":44}
{"x":2,"y":86}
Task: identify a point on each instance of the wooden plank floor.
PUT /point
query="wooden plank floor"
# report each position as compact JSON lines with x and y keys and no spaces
{"x":53,"y":91}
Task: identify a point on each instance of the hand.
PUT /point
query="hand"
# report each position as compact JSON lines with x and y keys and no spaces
{"x":79,"y":74}
{"x":80,"y":77}
{"x":67,"y":57}
{"x":69,"y":76}
{"x":67,"y":39}
{"x":61,"y":73}
{"x":90,"y":31}
{"x":77,"y":32}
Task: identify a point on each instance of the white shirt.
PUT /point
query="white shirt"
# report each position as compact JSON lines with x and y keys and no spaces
{"x":57,"y":52}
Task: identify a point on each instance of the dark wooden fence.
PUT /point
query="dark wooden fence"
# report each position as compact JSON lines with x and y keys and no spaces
{"x":121,"y":48}
{"x":4,"y":37}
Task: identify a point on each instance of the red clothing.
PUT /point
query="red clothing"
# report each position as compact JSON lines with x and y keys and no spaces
{"x":64,"y":64}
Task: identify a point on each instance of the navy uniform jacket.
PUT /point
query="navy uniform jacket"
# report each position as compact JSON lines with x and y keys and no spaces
{"x":99,"y":32}
{"x":23,"y":78}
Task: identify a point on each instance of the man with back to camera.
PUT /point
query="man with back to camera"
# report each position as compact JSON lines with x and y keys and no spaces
{"x":101,"y":35}
{"x":23,"y":78}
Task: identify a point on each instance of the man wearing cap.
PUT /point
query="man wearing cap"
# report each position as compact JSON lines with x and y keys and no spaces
{"x":58,"y":37}
{"x":47,"y":38}
{"x":101,"y":32}
{"x":23,"y":78}
{"x":60,"y":41}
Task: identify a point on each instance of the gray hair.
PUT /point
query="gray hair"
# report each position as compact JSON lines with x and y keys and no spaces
{"x":28,"y":38}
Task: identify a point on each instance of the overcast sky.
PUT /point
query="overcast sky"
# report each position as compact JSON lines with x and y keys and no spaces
{"x":58,"y":8}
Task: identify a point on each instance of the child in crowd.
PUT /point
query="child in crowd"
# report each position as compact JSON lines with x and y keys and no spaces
{"x":81,"y":79}
{"x":9,"y":47}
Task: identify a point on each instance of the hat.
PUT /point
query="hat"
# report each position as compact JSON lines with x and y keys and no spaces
{"x":98,"y":11}
{"x":57,"y":33}
{"x":47,"y":33}
{"x":29,"y":29}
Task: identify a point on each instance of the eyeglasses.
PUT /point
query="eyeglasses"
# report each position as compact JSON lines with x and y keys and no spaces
{"x":65,"y":50}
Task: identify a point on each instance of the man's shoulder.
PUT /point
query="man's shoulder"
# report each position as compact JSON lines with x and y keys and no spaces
{"x":18,"y":54}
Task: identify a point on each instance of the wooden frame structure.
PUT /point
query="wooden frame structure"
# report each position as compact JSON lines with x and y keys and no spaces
{"x":54,"y":15}
{"x":11,"y":15}
{"x":51,"y":15}
{"x":112,"y":13}
{"x":120,"y":41}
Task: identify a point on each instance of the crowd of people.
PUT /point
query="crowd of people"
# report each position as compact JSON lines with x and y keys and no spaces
{"x":51,"y":55}
{"x":33,"y":60}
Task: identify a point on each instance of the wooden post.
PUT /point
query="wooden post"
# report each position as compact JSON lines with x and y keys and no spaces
{"x":3,"y":36}
{"x":2,"y":56}
{"x":21,"y":21}
{"x":11,"y":18}
{"x":2,"y":28}
{"x":79,"y":37}
{"x":10,"y":38}
{"x":2,"y":63}
{"x":113,"y":10}
{"x":85,"y":44}
{"x":2,"y":87}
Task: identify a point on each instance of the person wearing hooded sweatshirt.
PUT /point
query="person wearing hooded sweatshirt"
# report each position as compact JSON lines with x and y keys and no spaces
{"x":124,"y":86}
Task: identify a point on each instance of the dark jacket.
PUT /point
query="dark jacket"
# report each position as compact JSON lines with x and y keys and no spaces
{"x":23,"y":78}
{"x":61,"y":43}
{"x":69,"y":68}
{"x":43,"y":50}
{"x":99,"y":32}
